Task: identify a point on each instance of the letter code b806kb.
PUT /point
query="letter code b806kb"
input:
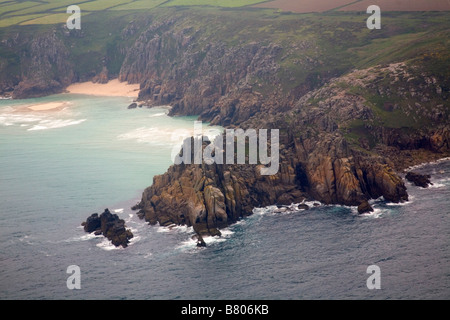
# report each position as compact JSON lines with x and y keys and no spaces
{"x":247,"y":310}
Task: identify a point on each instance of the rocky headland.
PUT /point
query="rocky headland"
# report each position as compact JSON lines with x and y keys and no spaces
{"x":352,"y":112}
{"x":334,"y":148}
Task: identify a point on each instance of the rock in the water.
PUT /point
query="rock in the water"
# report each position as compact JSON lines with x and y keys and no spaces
{"x":92,"y":223}
{"x":200,"y":241}
{"x":303,"y":206}
{"x":111,"y":226}
{"x":280,"y":210}
{"x":418,"y":179}
{"x":133,"y":105}
{"x":364,"y":207}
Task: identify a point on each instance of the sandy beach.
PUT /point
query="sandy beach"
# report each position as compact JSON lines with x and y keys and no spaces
{"x":114,"y":88}
{"x":43,"y":107}
{"x":49,"y":106}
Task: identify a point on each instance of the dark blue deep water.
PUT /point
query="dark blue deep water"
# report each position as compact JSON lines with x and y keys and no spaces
{"x":57,"y":169}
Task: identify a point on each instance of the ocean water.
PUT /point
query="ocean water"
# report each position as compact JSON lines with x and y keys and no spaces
{"x":57,"y":168}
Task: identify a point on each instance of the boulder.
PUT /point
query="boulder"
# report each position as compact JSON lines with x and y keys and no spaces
{"x":418,"y":179}
{"x":303,"y":206}
{"x":364,"y":207}
{"x":133,"y":105}
{"x":200,"y":242}
{"x":92,"y":223}
{"x":111,"y":226}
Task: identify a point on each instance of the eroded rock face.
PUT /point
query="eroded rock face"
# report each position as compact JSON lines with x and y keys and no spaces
{"x":364,"y":207}
{"x":420,"y":180}
{"x":210,"y":197}
{"x":319,"y":159}
{"x":46,"y":67}
{"x":111,"y":226}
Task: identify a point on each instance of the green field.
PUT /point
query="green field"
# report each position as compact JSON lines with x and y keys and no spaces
{"x":139,"y":5}
{"x":215,"y":3}
{"x":15,"y":12}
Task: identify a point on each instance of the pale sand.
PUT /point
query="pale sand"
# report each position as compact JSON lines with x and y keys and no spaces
{"x":42,"y":107}
{"x":49,"y":106}
{"x":113,"y":88}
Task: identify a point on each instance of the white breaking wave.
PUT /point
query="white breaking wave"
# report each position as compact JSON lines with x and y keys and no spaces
{"x":176,"y":228}
{"x":107,"y":245}
{"x":393,"y":204}
{"x":226,"y":232}
{"x":437,"y":186}
{"x":54,"y":124}
{"x":427,"y":163}
{"x":35,"y":120}
{"x":377,"y":213}
{"x":164,"y":136}
{"x":157,"y":115}
{"x":148,"y":135}
{"x":9,"y":119}
{"x":38,"y":122}
{"x":287,"y":209}
{"x":136,"y":238}
{"x":85,"y":237}
{"x":191,"y":244}
{"x":377,"y":205}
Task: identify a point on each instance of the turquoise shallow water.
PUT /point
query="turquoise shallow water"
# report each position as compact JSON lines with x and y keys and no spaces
{"x":56,"y":168}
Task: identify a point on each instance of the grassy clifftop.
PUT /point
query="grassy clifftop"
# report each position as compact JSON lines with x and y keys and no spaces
{"x":314,"y":46}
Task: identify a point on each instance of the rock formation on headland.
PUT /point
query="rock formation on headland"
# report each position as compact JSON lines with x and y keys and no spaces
{"x":420,"y":180}
{"x":111,"y":226}
{"x":321,"y":157}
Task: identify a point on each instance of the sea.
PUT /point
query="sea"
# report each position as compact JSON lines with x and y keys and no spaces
{"x":59,"y":167}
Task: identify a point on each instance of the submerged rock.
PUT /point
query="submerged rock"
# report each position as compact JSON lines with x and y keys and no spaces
{"x":111,"y":226}
{"x":420,"y":180}
{"x":303,"y":206}
{"x":364,"y":207}
{"x":200,"y":242}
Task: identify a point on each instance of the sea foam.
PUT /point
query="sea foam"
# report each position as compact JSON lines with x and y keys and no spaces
{"x":54,"y":124}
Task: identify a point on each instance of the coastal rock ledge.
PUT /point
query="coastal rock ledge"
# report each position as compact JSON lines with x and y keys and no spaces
{"x":211,"y":197}
{"x":111,"y":226}
{"x":420,"y":180}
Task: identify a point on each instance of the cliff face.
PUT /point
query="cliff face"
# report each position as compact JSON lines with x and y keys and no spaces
{"x":209,"y":197}
{"x":344,"y":135}
{"x":198,"y":70}
{"x":45,"y":67}
{"x":195,"y":80}
{"x":332,"y":146}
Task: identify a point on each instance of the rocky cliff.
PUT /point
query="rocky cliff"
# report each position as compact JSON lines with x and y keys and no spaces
{"x":44,"y":69}
{"x":333,"y":147}
{"x":353,"y":108}
{"x":345,"y":133}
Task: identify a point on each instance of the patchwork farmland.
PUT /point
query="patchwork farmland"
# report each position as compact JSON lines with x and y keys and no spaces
{"x":304,"y":6}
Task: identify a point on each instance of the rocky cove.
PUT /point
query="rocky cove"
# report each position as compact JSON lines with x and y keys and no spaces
{"x":347,"y":129}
